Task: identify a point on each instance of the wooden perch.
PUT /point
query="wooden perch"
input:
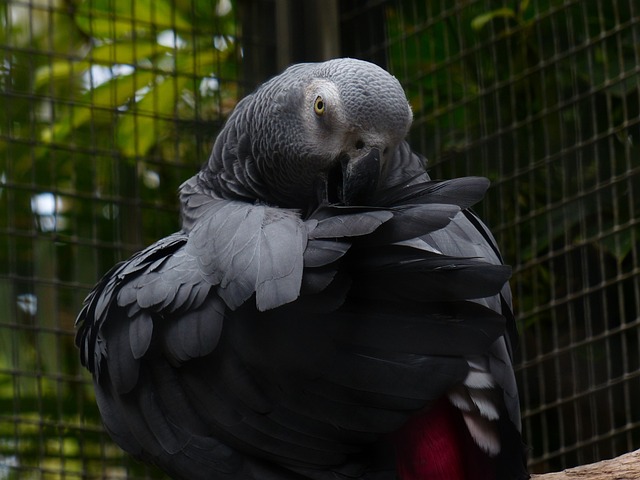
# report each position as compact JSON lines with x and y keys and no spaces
{"x":625,"y":467}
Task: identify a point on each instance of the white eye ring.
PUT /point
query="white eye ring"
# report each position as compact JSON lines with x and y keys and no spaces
{"x":319,"y":106}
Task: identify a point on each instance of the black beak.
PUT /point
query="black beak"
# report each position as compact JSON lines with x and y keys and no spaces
{"x":360,"y":177}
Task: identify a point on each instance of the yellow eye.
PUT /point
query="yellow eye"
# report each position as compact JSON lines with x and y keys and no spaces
{"x":318,"y":106}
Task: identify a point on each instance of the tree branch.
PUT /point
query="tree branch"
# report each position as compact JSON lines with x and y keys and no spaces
{"x":625,"y":467}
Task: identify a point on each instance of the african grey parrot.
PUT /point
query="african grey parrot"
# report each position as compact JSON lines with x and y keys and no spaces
{"x":327,"y":311}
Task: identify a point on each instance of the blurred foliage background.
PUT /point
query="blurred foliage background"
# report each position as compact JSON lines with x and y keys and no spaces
{"x":107,"y":106}
{"x":543,"y":98}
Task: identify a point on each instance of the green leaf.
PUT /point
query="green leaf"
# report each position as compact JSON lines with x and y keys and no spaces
{"x":147,"y":122}
{"x":128,"y":52}
{"x":120,"y":53}
{"x":620,"y":244}
{"x":111,"y":19}
{"x":58,"y":71}
{"x":201,"y":63}
{"x":119,"y":90}
{"x":481,"y":20}
{"x":108,"y":96}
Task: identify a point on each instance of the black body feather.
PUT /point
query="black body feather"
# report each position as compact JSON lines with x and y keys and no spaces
{"x":196,"y":373}
{"x":260,"y":344}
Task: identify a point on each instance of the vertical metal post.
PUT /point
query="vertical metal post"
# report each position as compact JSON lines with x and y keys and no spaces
{"x":277,"y":33}
{"x":307,"y":31}
{"x":258,"y":36}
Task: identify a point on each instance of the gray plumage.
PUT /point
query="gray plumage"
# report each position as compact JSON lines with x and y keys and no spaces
{"x":321,"y":292}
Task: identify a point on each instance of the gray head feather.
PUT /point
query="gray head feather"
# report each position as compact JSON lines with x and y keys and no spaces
{"x":282,"y":142}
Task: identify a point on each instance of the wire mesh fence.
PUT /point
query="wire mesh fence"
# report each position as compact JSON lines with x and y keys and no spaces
{"x":108,"y":105}
{"x":543,"y":99}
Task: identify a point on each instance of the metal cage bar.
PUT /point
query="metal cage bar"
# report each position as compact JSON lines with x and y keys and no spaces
{"x":107,"y":106}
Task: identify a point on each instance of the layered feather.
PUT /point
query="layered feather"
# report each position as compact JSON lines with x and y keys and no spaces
{"x":296,"y":386}
{"x":263,"y":343}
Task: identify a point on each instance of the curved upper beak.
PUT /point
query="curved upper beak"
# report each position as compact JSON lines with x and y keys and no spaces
{"x":360,"y":177}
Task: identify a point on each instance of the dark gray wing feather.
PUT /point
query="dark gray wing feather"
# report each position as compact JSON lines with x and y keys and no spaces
{"x":250,"y":249}
{"x":197,"y":333}
{"x":256,"y":344}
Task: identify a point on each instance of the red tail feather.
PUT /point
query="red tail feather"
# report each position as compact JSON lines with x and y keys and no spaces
{"x":436,"y":445}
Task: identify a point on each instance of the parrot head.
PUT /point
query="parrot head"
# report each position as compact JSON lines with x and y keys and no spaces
{"x":322,"y":132}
